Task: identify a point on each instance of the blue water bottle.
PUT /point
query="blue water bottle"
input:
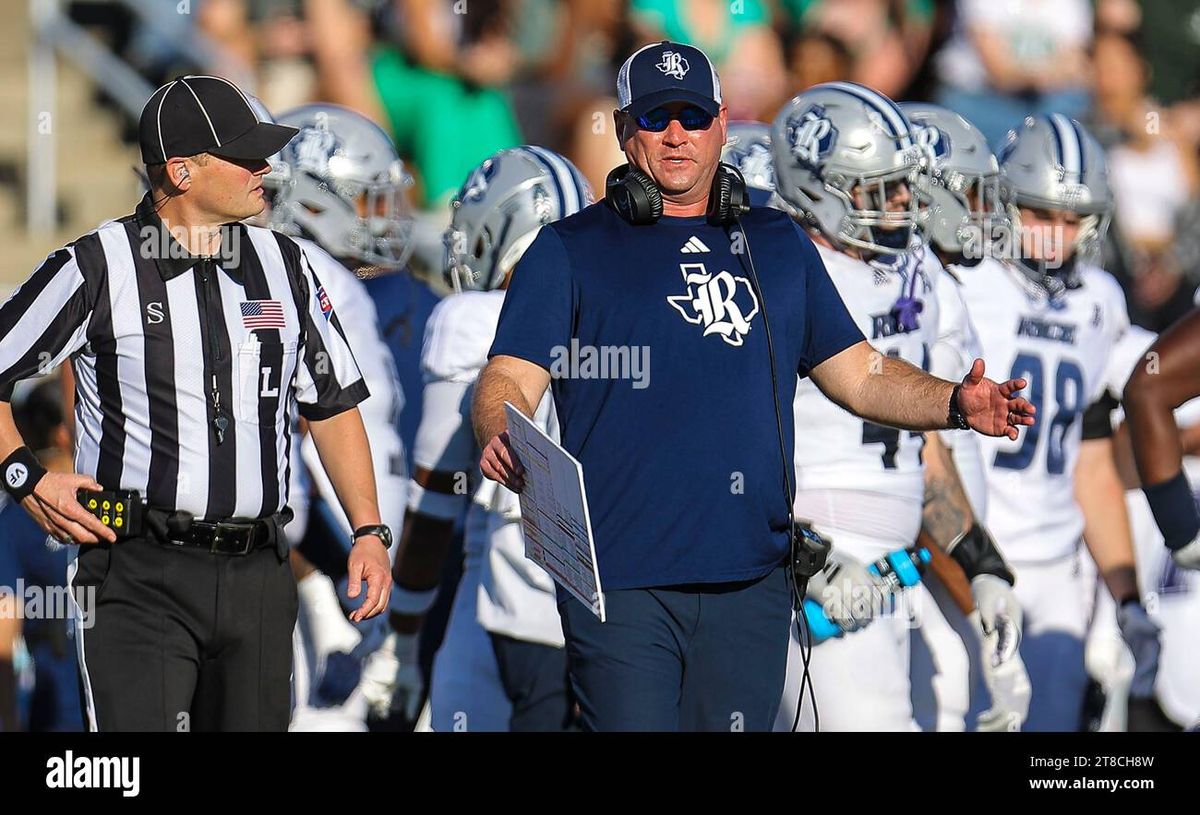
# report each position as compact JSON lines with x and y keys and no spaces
{"x":897,"y":570}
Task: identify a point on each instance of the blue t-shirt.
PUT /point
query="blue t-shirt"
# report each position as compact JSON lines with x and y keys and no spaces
{"x":654,"y":339}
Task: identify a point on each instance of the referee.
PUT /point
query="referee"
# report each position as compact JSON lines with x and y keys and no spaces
{"x":194,"y":339}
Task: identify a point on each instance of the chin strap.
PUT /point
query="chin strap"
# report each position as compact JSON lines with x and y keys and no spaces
{"x":1055,"y":281}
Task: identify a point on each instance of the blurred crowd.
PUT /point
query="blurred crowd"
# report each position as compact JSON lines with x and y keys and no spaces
{"x":453,"y":81}
{"x":456,"y":80}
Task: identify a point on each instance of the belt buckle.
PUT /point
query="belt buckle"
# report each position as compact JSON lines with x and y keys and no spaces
{"x":226,"y":532}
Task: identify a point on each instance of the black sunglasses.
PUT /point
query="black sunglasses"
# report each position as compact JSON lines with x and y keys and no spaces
{"x":690,"y":116}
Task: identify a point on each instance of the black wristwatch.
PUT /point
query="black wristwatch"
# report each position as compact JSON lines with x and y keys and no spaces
{"x":954,"y":418}
{"x":379,"y":530}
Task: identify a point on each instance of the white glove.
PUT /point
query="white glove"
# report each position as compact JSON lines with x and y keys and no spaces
{"x":1188,"y":557}
{"x":391,"y":678}
{"x":998,"y":619}
{"x":1141,"y":635}
{"x":849,"y":594}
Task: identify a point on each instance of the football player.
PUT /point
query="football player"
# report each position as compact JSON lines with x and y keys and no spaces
{"x":1150,"y":397}
{"x":502,"y":665}
{"x":845,"y":158}
{"x":1053,"y":317}
{"x":959,"y":191}
{"x":338,"y":188}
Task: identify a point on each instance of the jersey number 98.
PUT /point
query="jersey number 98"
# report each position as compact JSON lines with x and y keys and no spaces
{"x":1068,"y":401}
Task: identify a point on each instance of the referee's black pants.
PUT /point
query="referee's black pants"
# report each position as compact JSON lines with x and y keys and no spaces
{"x":177,"y":638}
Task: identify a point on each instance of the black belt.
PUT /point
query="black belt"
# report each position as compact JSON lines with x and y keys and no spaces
{"x":126,"y":514}
{"x":223,"y":537}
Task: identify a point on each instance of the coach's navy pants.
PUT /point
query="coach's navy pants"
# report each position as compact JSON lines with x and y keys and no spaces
{"x":697,"y":657}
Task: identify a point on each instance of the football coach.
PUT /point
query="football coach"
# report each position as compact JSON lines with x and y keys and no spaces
{"x":194,"y":341}
{"x":689,"y":478}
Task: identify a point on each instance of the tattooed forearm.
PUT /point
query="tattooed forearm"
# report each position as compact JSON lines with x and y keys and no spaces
{"x":947,"y":515}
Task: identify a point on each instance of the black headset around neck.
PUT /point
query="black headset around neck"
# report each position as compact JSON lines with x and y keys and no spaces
{"x":635,"y":197}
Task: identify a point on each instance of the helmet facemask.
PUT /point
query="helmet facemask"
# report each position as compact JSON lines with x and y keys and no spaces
{"x":869,"y":224}
{"x":1057,"y":277}
{"x":962,"y":213}
{"x":382,"y":235}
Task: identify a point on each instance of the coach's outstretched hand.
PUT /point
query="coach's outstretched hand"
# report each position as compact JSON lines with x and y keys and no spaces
{"x":991,"y":408}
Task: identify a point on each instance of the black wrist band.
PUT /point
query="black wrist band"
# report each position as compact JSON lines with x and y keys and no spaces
{"x":954,"y":417}
{"x":21,"y":472}
{"x":976,"y":552}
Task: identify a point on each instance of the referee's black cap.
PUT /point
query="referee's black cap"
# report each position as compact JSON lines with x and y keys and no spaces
{"x":206,"y":114}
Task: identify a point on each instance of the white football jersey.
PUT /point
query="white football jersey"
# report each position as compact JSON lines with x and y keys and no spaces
{"x":1062,"y":347}
{"x":515,"y":595}
{"x":838,"y":451}
{"x":957,"y":344}
{"x":957,"y":347}
{"x":360,"y":322}
{"x":1131,"y":350}
{"x":457,"y":337}
{"x":381,"y":410}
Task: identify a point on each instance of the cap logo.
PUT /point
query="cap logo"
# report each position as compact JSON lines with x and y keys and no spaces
{"x":673,"y":64}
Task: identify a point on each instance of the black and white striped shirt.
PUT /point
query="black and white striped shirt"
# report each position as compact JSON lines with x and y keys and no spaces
{"x":161,"y":343}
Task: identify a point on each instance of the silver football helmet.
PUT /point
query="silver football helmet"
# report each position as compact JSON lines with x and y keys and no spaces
{"x":748,"y":148}
{"x":341,"y":183}
{"x":1053,"y":163}
{"x":501,"y":207}
{"x":960,"y":184}
{"x":841,"y":150}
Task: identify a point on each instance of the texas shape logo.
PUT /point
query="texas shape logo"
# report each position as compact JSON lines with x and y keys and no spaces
{"x":673,"y":64}
{"x":720,"y":302}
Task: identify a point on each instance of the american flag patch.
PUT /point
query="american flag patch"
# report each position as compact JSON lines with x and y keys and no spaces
{"x":326,"y":303}
{"x":262,"y":314}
